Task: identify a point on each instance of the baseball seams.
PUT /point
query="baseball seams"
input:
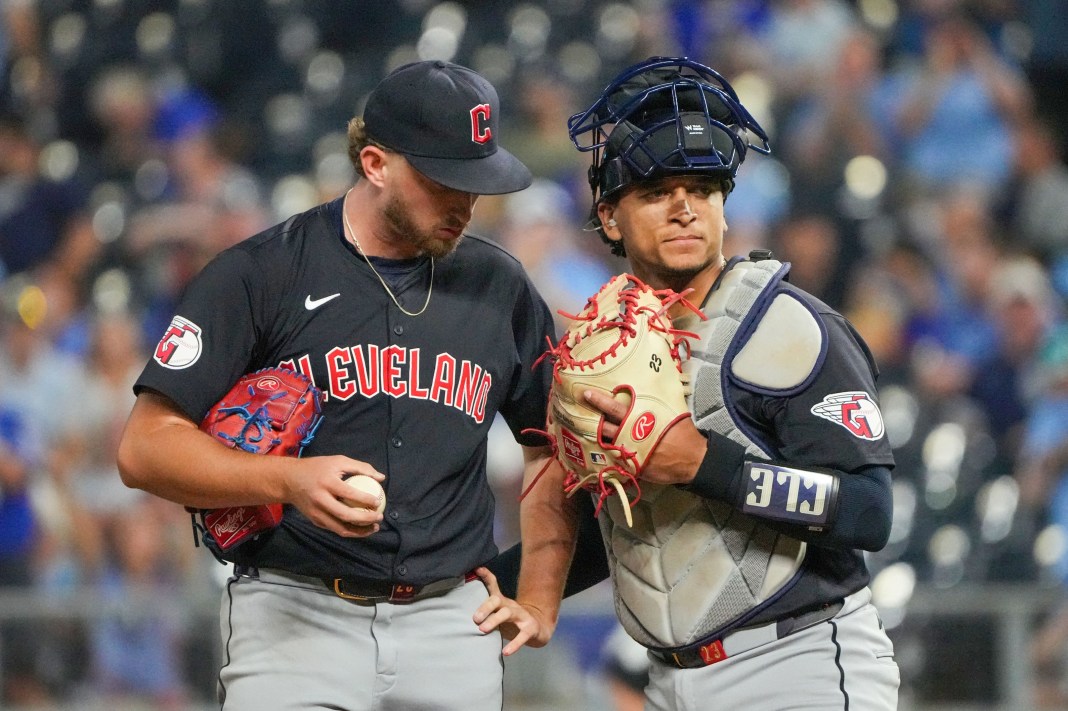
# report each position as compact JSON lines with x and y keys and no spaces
{"x":368,"y":485}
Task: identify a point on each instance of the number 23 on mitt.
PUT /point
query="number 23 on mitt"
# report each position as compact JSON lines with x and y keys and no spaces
{"x":271,"y":411}
{"x":622,"y":343}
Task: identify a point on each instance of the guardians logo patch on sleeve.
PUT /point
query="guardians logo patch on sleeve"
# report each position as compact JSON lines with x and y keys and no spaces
{"x":180,"y":346}
{"x":856,"y":411}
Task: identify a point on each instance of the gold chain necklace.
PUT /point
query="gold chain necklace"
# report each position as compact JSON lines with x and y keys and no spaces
{"x":352,"y":232}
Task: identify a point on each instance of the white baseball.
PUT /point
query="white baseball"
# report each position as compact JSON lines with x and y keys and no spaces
{"x":371,"y":486}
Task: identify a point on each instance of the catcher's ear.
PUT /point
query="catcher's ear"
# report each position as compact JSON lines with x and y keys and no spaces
{"x":608,"y":223}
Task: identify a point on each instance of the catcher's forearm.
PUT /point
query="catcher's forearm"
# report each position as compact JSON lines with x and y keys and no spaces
{"x":822,"y":506}
{"x":548,"y":525}
{"x":164,"y":453}
{"x":589,"y":564}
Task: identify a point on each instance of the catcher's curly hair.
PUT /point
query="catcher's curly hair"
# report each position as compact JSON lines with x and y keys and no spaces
{"x":358,"y":140}
{"x":726,"y":185}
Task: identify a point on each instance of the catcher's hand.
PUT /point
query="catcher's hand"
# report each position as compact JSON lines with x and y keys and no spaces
{"x":271,"y":411}
{"x":678,"y":456}
{"x":622,"y":344}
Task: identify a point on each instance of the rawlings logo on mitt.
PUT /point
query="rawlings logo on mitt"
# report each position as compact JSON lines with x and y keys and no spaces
{"x":272,"y":411}
{"x":622,"y":343}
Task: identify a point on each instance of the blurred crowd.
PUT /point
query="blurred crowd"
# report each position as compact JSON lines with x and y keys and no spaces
{"x":918,"y":183}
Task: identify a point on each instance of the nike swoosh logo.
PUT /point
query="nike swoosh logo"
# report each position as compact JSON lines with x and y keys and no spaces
{"x":312,"y":304}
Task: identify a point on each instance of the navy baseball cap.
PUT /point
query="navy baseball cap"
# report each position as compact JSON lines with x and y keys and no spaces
{"x":444,"y":119}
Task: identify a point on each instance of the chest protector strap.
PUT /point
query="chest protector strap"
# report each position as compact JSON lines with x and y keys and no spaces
{"x":690,"y":567}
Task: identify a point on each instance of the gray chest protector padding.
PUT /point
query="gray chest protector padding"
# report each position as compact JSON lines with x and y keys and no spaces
{"x":691,"y":566}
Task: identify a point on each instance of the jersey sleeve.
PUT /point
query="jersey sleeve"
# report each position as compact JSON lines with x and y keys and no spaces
{"x":836,"y":421}
{"x":211,"y":338}
{"x":528,"y":397}
{"x":828,"y":440}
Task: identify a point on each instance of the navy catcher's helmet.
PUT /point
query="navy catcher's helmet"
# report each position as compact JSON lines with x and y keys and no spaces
{"x":666,"y":115}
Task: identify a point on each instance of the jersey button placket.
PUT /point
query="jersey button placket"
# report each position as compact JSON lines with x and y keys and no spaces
{"x":397,"y":443}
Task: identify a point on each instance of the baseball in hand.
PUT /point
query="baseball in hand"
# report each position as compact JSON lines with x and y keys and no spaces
{"x":370,"y":486}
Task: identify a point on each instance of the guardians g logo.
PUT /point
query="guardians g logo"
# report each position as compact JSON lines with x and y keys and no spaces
{"x":856,"y":411}
{"x":180,"y":346}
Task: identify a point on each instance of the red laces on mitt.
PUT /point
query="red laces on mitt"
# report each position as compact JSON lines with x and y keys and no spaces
{"x":622,"y":343}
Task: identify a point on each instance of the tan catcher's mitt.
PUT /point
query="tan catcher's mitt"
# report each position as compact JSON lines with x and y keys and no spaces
{"x":271,"y":411}
{"x":622,"y":343}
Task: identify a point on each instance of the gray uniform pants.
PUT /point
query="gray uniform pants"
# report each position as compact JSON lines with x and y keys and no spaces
{"x":289,"y":644}
{"x":844,"y":663}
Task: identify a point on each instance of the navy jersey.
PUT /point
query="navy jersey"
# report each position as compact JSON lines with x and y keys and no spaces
{"x":413,"y":396}
{"x":799,"y":429}
{"x":831,"y":423}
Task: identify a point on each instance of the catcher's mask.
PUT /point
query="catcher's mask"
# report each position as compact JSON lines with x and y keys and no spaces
{"x":664,"y":116}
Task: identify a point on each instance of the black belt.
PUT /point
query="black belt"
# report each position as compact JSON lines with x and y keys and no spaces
{"x":716,"y":649}
{"x":361,"y":589}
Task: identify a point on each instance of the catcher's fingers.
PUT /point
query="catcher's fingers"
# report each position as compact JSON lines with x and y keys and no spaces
{"x":514,"y":621}
{"x":612,"y":410}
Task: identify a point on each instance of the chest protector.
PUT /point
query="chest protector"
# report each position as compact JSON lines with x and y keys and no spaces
{"x":690,"y":566}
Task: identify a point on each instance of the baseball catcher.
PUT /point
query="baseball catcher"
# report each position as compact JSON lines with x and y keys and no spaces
{"x":271,"y":411}
{"x":746,"y":549}
{"x":622,"y":343}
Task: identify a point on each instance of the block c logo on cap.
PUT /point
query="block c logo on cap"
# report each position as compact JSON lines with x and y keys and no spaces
{"x":480,"y":126}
